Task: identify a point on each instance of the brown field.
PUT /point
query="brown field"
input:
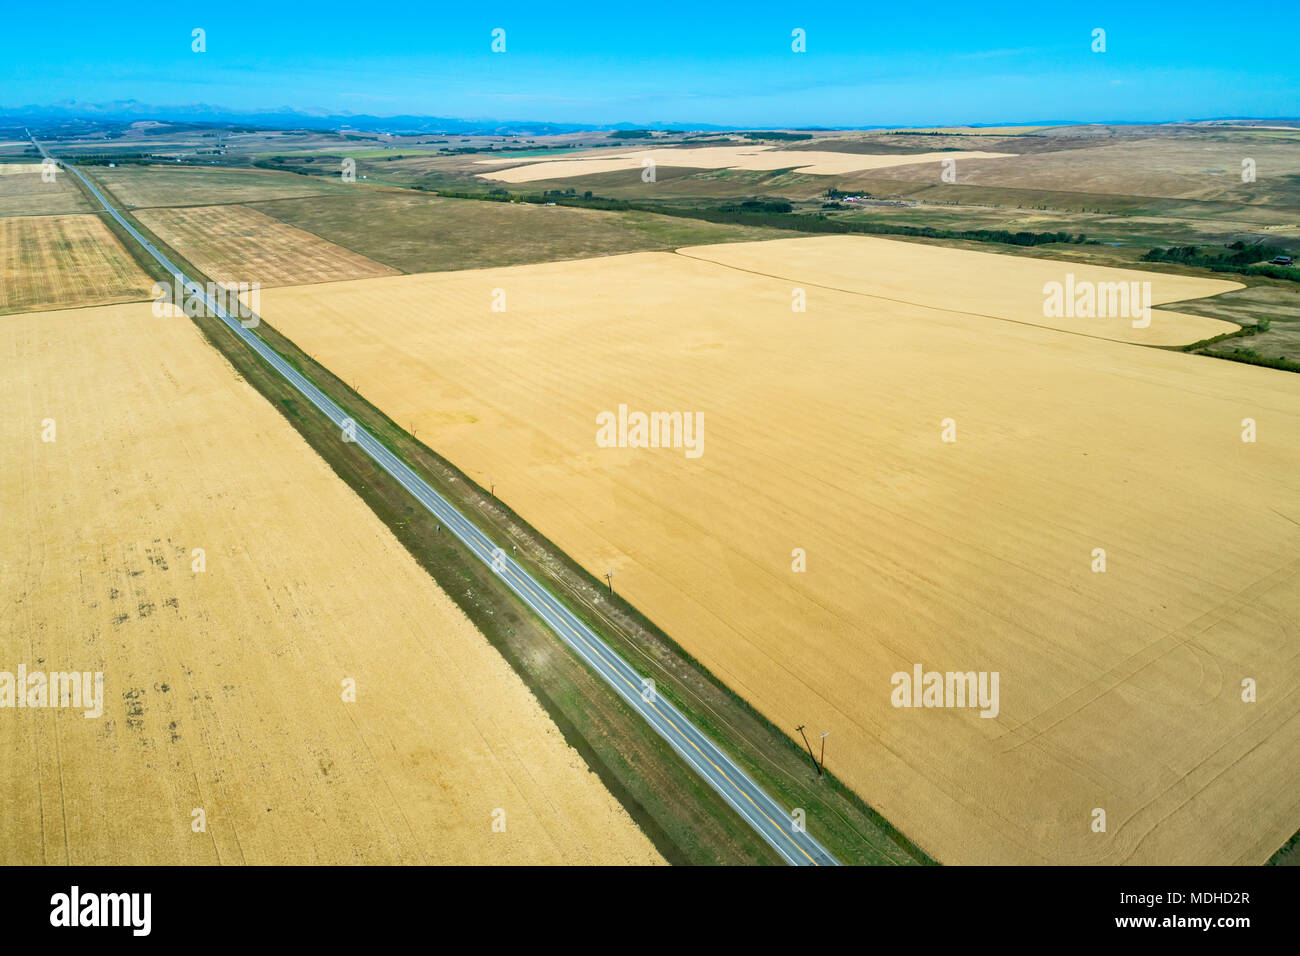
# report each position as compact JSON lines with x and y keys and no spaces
{"x":52,"y":261}
{"x":239,"y":244}
{"x":1193,"y":167}
{"x":824,"y":163}
{"x":1118,"y":690}
{"x":222,"y":689}
{"x":22,"y":193}
{"x":202,"y":186}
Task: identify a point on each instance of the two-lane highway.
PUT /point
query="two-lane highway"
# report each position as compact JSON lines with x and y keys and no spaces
{"x":765,"y":815}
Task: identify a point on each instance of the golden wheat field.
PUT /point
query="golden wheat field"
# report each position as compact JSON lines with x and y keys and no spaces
{"x":223,"y":685}
{"x":823,"y":435}
{"x":238,"y":244}
{"x":999,"y":286}
{"x":23,"y":192}
{"x":822,"y":163}
{"x":51,"y":261}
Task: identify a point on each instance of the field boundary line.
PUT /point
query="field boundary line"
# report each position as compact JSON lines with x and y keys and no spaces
{"x":935,"y":308}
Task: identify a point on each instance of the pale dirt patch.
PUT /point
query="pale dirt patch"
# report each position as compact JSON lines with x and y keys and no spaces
{"x":1118,"y":690}
{"x":815,"y":162}
{"x":223,"y":688}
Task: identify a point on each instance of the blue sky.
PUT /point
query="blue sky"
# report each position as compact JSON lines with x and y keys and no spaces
{"x":866,"y":64}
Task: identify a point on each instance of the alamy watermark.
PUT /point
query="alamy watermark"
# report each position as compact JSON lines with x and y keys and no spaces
{"x":947,"y":689}
{"x":1098,"y":300}
{"x":624,"y":429}
{"x":242,"y":300}
{"x":129,"y":910}
{"x":79,"y":690}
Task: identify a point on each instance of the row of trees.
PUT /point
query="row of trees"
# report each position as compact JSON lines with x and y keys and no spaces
{"x":1237,"y":257}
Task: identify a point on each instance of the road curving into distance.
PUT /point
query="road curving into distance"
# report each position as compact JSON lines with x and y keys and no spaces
{"x":776,"y":825}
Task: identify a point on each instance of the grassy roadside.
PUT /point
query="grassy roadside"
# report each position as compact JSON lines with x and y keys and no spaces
{"x":685,"y":818}
{"x":1288,"y":854}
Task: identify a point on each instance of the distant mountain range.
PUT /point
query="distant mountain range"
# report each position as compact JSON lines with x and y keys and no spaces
{"x":129,"y":111}
{"x":285,"y":117}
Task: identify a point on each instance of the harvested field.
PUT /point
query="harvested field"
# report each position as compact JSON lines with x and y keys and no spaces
{"x":1190,"y":167}
{"x":823,"y":432}
{"x":223,"y":689}
{"x":239,"y":244}
{"x":199,"y":186}
{"x":423,"y":233}
{"x":820,"y":163}
{"x":1001,"y":286}
{"x":52,"y":261}
{"x":23,"y":193}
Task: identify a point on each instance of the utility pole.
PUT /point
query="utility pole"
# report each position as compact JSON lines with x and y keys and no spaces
{"x":609,"y":576}
{"x":816,"y":765}
{"x":823,"y":760}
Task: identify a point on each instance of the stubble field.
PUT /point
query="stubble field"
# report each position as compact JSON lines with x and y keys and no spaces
{"x":1202,"y":167}
{"x":162,"y":185}
{"x":223,"y":687}
{"x":24,"y":193}
{"x":417,"y":232}
{"x":823,"y":431}
{"x":239,"y":244}
{"x":51,"y":261}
